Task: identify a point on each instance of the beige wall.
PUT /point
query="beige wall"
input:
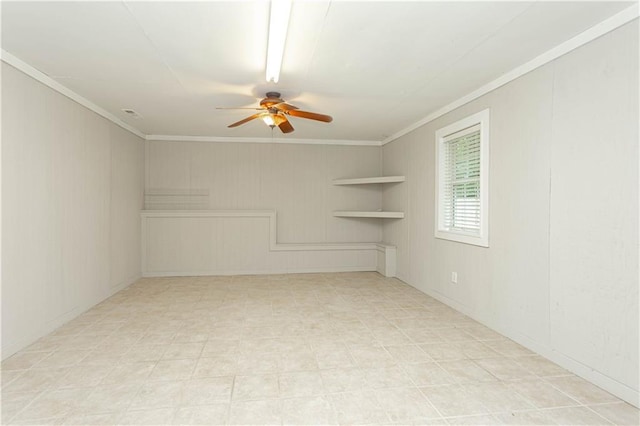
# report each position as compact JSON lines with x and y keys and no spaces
{"x":561,"y":272}
{"x":294,"y":180}
{"x":72,"y":185}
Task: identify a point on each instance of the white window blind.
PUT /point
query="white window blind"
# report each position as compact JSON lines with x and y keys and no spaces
{"x":461,"y":181}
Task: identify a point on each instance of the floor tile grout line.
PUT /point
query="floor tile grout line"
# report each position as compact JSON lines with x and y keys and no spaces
{"x":173,"y":315}
{"x":564,"y":392}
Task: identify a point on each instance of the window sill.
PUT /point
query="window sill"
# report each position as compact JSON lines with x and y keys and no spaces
{"x":463,"y":238}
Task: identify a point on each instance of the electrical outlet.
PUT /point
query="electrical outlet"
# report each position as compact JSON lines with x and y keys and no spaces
{"x":454,"y":277}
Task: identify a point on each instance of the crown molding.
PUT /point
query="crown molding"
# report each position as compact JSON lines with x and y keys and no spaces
{"x":219,"y":139}
{"x":53,"y":84}
{"x":48,"y":81}
{"x":619,"y":19}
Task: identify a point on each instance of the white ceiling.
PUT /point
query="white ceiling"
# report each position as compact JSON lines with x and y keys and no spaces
{"x":376,"y":67}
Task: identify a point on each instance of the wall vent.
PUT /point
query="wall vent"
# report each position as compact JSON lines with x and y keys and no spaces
{"x":131,"y":113}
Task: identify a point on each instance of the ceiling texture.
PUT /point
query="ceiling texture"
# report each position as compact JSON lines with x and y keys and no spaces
{"x":376,"y":67}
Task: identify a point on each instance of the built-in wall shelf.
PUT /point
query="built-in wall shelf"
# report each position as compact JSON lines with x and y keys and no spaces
{"x":362,"y":181}
{"x":375,"y":214}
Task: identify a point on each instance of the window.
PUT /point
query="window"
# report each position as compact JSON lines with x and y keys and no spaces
{"x":462,"y":180}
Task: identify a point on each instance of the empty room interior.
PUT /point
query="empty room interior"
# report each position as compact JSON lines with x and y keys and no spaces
{"x":320,"y":212}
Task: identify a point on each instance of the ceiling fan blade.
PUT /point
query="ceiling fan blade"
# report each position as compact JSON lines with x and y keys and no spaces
{"x":238,"y":123}
{"x":283,"y":124}
{"x":257,"y":109}
{"x":283,"y":106}
{"x":310,"y":115}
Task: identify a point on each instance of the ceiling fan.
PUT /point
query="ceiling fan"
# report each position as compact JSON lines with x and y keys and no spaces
{"x":275,"y":112}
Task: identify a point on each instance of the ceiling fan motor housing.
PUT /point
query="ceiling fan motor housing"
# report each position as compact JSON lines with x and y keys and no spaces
{"x":272,"y":98}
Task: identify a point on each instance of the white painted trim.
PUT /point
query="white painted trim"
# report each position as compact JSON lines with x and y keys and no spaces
{"x":622,"y":391}
{"x":48,"y":81}
{"x":373,"y":214}
{"x":271,"y":214}
{"x":384,"y":246}
{"x":170,"y":192}
{"x":252,"y":272}
{"x":598,"y":30}
{"x":323,"y":246}
{"x":364,"y":181}
{"x":234,"y":139}
{"x":482,"y":118}
{"x":207,"y":213}
{"x":592,"y":33}
{"x":385,"y":253}
{"x":53,"y":84}
{"x":386,"y":259}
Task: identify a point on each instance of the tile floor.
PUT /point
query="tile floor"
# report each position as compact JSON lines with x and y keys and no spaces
{"x":353,"y":348}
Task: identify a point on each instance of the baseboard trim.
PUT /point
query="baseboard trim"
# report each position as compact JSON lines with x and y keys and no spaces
{"x":612,"y":386}
{"x":258,"y":272}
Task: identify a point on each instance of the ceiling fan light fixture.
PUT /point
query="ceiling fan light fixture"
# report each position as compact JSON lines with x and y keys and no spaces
{"x":278,"y":24}
{"x":268,"y":120}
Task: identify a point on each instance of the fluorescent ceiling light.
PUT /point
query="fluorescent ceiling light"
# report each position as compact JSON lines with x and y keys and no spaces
{"x":278,"y":23}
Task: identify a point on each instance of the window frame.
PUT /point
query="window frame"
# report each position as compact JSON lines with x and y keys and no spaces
{"x":481,"y":118}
